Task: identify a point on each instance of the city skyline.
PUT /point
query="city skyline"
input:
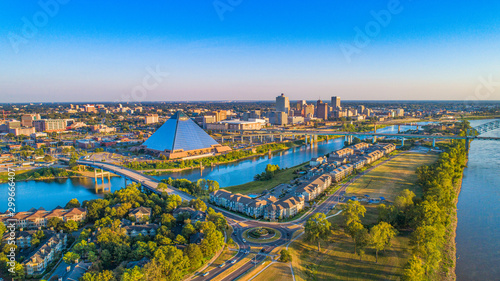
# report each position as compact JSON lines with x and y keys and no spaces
{"x":384,"y":50}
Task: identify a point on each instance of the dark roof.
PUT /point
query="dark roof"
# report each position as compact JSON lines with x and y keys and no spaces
{"x":196,"y":238}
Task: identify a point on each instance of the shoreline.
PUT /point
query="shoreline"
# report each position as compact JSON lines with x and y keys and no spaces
{"x":167,"y":171}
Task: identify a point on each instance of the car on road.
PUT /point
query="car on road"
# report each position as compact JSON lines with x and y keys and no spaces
{"x":222,"y":264}
{"x":244,"y":241}
{"x":206,"y":273}
{"x":233,"y":261}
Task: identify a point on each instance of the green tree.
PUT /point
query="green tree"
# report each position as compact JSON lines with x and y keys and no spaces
{"x":133,"y":274}
{"x":55,"y":222}
{"x":71,"y":257}
{"x":285,"y":256}
{"x":317,"y":228}
{"x":414,"y":270}
{"x":168,"y":220}
{"x":73,"y":203}
{"x":180,"y":240}
{"x":362,"y":241}
{"x":381,"y":235}
{"x":199,"y":205}
{"x":188,"y":230}
{"x":18,"y":273}
{"x":3,"y":229}
{"x":352,"y":212}
{"x":193,"y":252}
{"x":71,"y":226}
{"x":353,"y":229}
{"x":405,"y":200}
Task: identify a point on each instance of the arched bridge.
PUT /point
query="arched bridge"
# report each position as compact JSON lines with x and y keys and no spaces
{"x":487,"y":127}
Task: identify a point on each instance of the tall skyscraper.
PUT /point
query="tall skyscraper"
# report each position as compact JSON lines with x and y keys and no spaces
{"x":301,"y":104}
{"x":336,"y":102}
{"x":322,"y":110}
{"x":282,"y":104}
{"x":309,"y":110}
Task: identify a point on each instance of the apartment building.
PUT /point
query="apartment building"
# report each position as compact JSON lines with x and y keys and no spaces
{"x":37,"y":262}
{"x":314,"y":188}
{"x":35,"y":219}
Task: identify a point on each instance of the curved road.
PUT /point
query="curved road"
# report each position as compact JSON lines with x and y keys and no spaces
{"x":239,"y":223}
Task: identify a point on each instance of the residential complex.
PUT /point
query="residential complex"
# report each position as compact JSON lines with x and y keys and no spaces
{"x":35,"y":219}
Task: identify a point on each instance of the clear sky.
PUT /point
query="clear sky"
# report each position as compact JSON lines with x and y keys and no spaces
{"x":248,"y":50}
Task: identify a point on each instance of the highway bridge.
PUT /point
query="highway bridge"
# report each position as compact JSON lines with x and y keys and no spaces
{"x":146,"y":181}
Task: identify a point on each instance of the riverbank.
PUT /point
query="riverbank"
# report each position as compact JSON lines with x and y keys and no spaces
{"x":337,"y":260}
{"x":257,"y":187}
{"x":160,"y":172}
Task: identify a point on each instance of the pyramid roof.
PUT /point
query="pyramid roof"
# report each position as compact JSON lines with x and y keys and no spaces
{"x":179,"y":132}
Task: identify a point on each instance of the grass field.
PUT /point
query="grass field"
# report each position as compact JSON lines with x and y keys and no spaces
{"x":337,"y":260}
{"x":276,"y":271}
{"x":257,"y":187}
{"x":390,"y":179}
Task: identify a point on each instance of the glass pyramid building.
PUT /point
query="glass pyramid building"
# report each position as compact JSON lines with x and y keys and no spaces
{"x":181,"y":137}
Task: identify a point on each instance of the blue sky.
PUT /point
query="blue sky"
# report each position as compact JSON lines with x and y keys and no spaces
{"x":248,"y":50}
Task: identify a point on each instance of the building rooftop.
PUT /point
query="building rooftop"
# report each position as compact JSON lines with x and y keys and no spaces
{"x":179,"y":133}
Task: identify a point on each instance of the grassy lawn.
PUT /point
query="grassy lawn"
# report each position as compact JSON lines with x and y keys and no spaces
{"x":256,"y":187}
{"x":390,"y":179}
{"x":337,"y":260}
{"x":277,"y":271}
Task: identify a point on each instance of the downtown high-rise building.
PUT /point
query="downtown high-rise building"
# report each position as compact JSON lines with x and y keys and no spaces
{"x":322,"y":110}
{"x":282,"y":104}
{"x":336,"y":103}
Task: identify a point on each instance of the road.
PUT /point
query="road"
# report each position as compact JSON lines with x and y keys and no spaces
{"x":148,"y":182}
{"x":240,"y":223}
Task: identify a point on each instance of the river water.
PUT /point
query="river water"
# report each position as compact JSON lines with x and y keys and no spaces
{"x":51,"y":193}
{"x":478,"y":230}
{"x":478,"y":235}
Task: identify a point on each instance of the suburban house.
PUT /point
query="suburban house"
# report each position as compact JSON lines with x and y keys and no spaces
{"x":139,"y":213}
{"x":144,"y":229}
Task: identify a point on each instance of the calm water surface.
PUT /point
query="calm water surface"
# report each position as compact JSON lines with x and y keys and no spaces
{"x":478,"y":235}
{"x":478,"y":231}
{"x":49,"y":194}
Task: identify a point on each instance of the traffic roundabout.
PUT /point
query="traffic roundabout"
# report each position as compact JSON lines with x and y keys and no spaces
{"x":261,"y":235}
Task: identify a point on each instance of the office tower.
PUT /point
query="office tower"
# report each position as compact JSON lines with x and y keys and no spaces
{"x":322,"y":110}
{"x":309,"y":110}
{"x":282,"y":103}
{"x":336,"y":102}
{"x":361,"y":109}
{"x":301,"y":104}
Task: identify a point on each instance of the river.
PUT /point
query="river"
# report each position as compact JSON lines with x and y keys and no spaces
{"x":51,"y":193}
{"x":477,"y":239}
{"x":478,"y":235}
